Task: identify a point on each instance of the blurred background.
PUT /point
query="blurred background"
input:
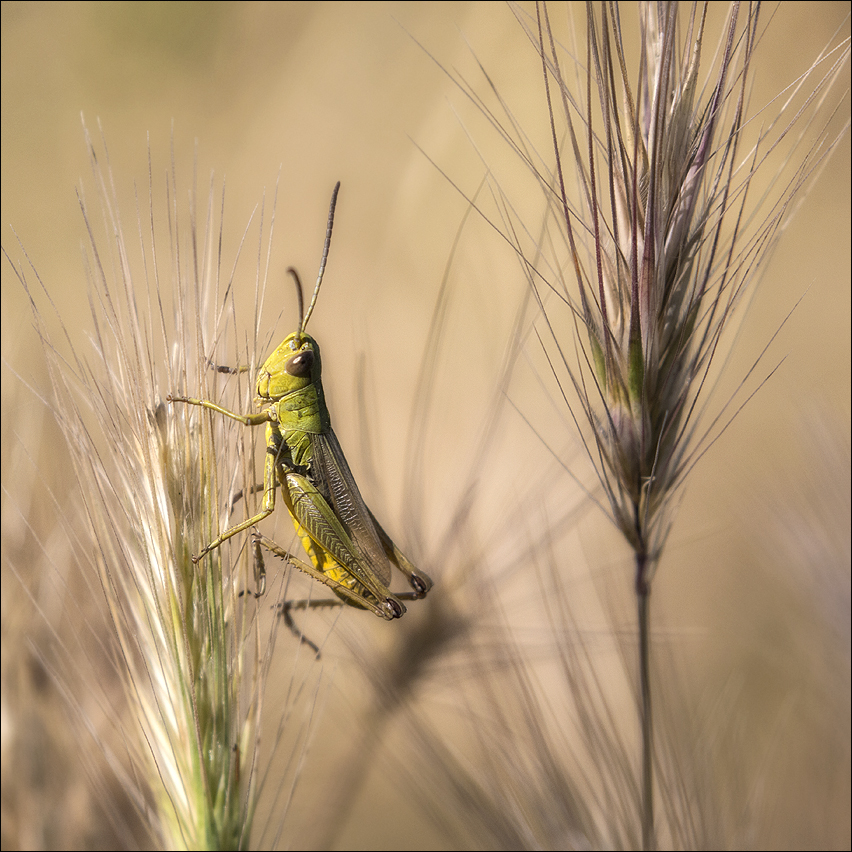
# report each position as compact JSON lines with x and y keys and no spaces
{"x":753,"y":594}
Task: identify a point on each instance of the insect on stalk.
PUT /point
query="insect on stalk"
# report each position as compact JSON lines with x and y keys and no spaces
{"x":349,"y":551}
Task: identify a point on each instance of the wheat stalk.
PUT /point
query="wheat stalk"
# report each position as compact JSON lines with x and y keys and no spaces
{"x":670,"y":248}
{"x":665,"y":191}
{"x":188,"y":648}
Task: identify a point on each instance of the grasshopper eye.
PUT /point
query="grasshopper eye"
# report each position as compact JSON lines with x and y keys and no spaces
{"x":300,"y":365}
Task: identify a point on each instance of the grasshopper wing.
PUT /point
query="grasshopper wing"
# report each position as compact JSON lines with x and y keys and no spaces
{"x":330,"y":467}
{"x":376,"y":546}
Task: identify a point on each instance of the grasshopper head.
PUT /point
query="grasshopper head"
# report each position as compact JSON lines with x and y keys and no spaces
{"x":294,"y":365}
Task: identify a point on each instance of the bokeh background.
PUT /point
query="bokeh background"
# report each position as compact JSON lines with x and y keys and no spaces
{"x":754,"y":591}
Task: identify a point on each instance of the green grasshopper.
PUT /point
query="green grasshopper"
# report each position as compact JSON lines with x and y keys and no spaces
{"x":348,"y":549}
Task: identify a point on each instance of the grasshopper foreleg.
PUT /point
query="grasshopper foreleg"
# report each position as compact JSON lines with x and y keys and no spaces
{"x":269,"y":478}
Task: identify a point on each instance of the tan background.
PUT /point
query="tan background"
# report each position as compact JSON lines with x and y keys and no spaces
{"x":755,"y":585}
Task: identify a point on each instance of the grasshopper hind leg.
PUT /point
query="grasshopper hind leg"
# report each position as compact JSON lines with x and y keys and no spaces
{"x":344,"y":594}
{"x":385,"y":609}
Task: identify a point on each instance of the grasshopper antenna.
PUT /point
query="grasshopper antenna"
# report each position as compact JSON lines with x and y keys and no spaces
{"x":299,"y":295}
{"x":325,"y":249}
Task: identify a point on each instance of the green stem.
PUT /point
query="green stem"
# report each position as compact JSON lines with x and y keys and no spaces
{"x":643,"y":597}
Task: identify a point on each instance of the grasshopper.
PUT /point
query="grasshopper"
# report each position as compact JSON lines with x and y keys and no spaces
{"x":349,"y":551}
